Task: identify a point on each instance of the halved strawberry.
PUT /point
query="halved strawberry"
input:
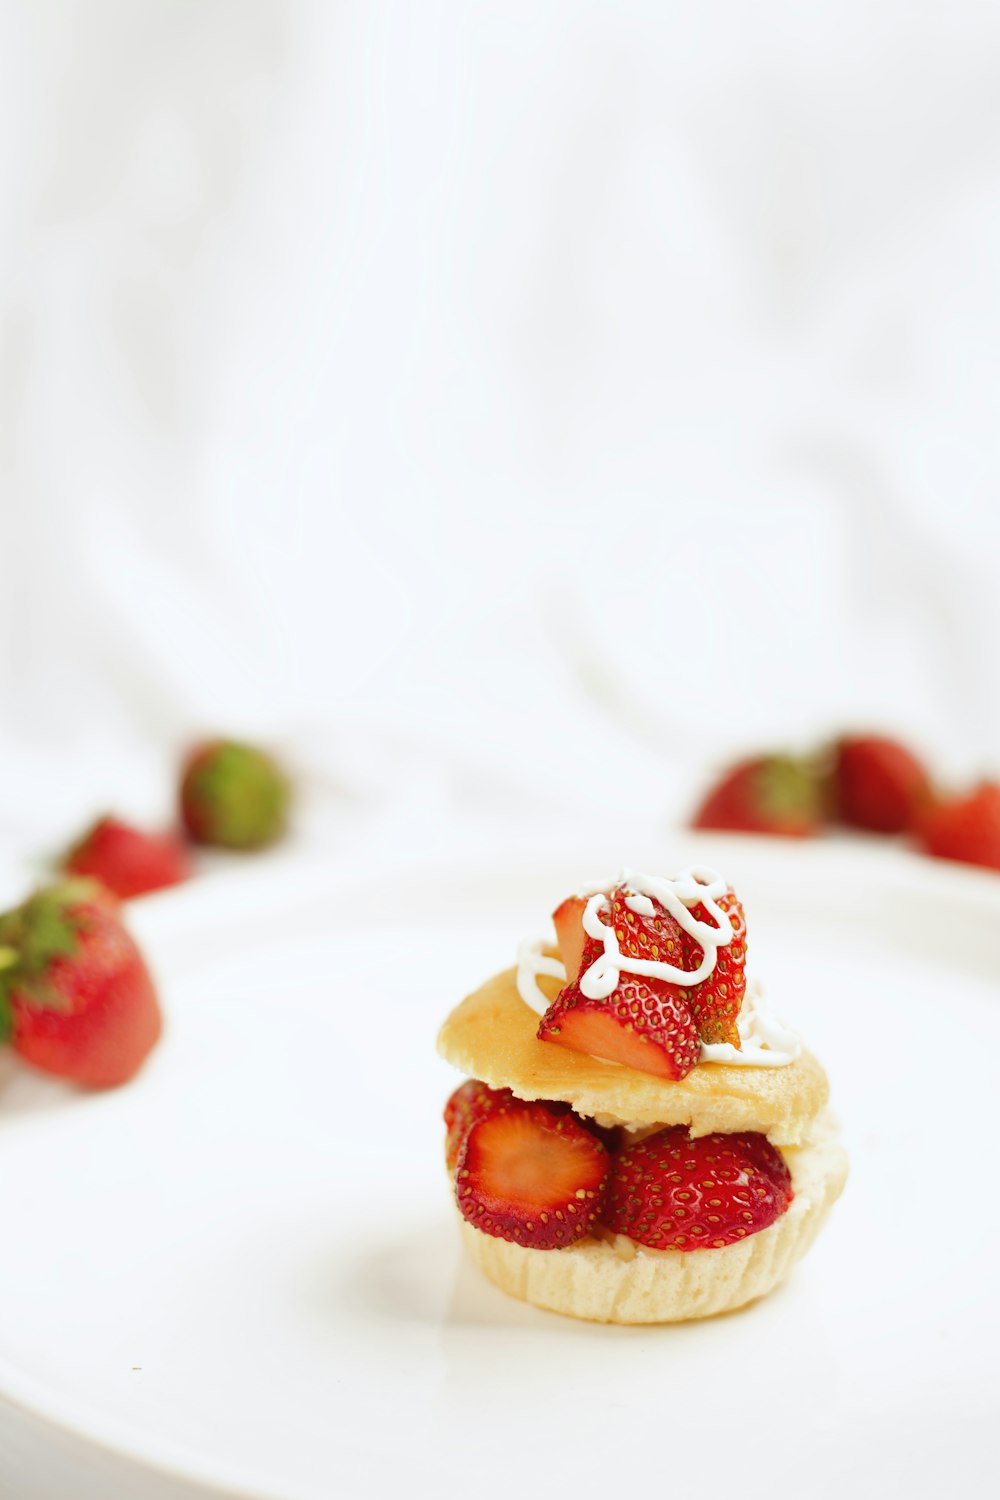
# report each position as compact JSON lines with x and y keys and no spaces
{"x":669,"y":1192}
{"x":531,"y":1175}
{"x":642,"y":1023}
{"x":716,"y":1002}
{"x":568,"y":922}
{"x":471,"y":1101}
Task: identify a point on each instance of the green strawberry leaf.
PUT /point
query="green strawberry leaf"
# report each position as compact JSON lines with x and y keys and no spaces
{"x":45,"y":927}
{"x":8,"y":964}
{"x":48,"y":931}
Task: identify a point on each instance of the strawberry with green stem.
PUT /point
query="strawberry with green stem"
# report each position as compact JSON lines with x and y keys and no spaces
{"x":76,"y":998}
{"x":775,"y":794}
{"x":234,"y":796}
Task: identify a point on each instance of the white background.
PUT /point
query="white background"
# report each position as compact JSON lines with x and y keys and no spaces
{"x":504,"y":408}
{"x":507,"y":410}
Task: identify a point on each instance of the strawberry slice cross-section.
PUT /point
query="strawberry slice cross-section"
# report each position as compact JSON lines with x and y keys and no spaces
{"x":642,"y":1024}
{"x":471,"y":1101}
{"x":532,"y":1175}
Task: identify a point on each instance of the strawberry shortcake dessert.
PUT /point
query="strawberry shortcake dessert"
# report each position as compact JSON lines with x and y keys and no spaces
{"x":639,"y":1141}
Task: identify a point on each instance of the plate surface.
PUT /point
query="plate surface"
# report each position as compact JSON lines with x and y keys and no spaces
{"x":242,"y":1271}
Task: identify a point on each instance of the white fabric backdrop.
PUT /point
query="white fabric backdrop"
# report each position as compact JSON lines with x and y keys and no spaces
{"x":504,"y":408}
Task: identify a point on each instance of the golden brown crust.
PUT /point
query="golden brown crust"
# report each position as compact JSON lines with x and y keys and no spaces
{"x":491,"y":1036}
{"x":615,"y":1281}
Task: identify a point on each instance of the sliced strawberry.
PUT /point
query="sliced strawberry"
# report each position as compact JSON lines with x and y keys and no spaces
{"x":716,"y":1002}
{"x":878,"y":784}
{"x":669,"y":1192}
{"x":568,"y":921}
{"x":769,"y":794}
{"x":127,"y":860}
{"x":531,"y":1175}
{"x":965,"y":828}
{"x":658,"y":937}
{"x":471,"y":1101}
{"x":642,"y":1024}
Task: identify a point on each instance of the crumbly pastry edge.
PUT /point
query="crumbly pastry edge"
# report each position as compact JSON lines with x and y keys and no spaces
{"x":616,"y":1281}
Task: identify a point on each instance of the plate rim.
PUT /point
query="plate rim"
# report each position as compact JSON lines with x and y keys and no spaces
{"x":893,"y":867}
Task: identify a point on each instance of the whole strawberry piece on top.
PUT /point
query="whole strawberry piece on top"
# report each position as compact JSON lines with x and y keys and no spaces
{"x":233,"y":795}
{"x":128,"y":861}
{"x":716,"y":1002}
{"x":533,"y":1175}
{"x":76,"y":998}
{"x":770,"y":794}
{"x":965,"y":828}
{"x":878,"y":784}
{"x":669,"y":1192}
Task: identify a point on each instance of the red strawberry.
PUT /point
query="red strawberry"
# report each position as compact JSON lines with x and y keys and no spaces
{"x":673,"y":1193}
{"x":769,"y":794}
{"x":531,"y":1175}
{"x":878,"y":784}
{"x":471,"y":1101}
{"x":76,"y":998}
{"x":233,"y":795}
{"x":642,"y":1023}
{"x":127,"y":861}
{"x":716,"y":1002}
{"x":658,"y":937}
{"x":965,"y":828}
{"x":568,"y":921}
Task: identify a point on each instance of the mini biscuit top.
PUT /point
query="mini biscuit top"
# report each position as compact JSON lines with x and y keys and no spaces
{"x":491,"y":1036}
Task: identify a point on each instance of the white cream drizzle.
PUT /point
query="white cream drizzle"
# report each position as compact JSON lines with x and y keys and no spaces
{"x":687,"y":889}
{"x":765,"y":1042}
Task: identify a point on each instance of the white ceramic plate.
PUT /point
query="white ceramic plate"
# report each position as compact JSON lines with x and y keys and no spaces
{"x":242,"y":1270}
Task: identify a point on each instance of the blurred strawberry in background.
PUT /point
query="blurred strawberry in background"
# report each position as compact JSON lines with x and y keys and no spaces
{"x":877,"y":784}
{"x":775,"y":794}
{"x":128,"y":861}
{"x":76,"y":998}
{"x":965,"y":828}
{"x":234,"y":796}
{"x":866,"y":781}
